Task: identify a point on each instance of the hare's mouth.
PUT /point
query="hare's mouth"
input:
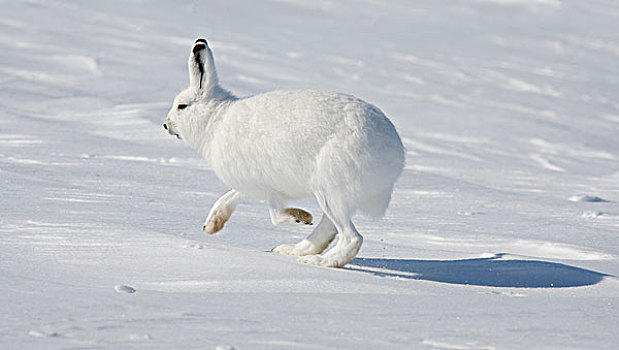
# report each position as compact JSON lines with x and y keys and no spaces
{"x":171,"y":132}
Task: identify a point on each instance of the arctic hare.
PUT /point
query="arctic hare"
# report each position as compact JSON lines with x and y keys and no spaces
{"x":285,"y":145}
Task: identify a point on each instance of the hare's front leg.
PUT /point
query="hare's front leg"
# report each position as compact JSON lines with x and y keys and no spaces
{"x":287,"y":216}
{"x":221,"y":211}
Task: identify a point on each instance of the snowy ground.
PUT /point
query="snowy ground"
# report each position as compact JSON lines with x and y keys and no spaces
{"x":504,"y":227}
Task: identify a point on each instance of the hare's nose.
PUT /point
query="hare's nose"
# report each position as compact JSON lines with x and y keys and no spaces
{"x":165,"y":126}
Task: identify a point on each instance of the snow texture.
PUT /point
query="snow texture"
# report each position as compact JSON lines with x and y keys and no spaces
{"x":503,"y":230}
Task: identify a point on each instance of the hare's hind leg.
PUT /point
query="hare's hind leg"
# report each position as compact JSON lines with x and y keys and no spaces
{"x":221,"y":211}
{"x":315,"y":243}
{"x":349,"y":240}
{"x":287,"y":216}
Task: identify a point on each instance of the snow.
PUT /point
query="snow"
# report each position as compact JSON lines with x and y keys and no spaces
{"x":503,"y":230}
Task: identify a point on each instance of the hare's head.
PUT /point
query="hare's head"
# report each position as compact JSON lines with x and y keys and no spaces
{"x":202,"y":85}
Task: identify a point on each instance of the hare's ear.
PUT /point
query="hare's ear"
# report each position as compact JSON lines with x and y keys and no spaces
{"x":201,"y":66}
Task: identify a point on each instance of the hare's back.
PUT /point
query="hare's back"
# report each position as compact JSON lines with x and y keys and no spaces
{"x":320,"y":113}
{"x":276,"y":137}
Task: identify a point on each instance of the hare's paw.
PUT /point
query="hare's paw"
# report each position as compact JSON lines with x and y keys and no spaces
{"x":212,"y":227}
{"x":323,"y":260}
{"x":215,"y":224}
{"x":319,"y":260}
{"x":298,"y":216}
{"x":343,"y":252}
{"x":285,"y":249}
{"x":302,"y":248}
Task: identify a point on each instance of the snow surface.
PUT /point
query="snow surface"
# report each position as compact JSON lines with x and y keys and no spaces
{"x":504,"y":227}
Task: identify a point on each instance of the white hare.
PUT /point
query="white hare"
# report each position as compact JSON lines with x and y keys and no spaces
{"x":285,"y":145}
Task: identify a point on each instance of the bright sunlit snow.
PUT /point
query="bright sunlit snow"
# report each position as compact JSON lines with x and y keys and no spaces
{"x":503,"y":231}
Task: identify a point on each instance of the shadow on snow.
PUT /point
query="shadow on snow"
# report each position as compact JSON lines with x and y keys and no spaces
{"x":490,"y":272}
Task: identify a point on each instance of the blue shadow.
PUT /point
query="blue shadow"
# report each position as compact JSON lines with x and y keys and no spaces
{"x":490,"y":272}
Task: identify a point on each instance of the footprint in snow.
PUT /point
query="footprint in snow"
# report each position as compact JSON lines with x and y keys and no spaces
{"x":190,"y":245}
{"x":592,"y":214}
{"x":587,"y":198}
{"x":139,"y":336}
{"x":40,"y":334}
{"x":121,"y":288}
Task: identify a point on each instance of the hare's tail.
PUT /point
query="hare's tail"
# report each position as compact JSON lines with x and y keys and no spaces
{"x":376,"y":206}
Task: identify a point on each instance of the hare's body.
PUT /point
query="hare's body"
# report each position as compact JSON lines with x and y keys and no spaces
{"x":295,"y":143}
{"x":284,"y":145}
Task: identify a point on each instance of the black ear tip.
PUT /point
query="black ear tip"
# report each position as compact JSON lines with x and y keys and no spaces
{"x":198,"y":47}
{"x":200,"y":44}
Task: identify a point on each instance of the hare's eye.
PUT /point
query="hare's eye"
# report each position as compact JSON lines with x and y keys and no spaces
{"x":182,"y":106}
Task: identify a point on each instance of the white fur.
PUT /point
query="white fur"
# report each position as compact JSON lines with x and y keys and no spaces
{"x":284,"y":145}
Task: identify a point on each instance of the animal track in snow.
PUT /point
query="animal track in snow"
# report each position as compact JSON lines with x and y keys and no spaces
{"x":139,"y":336}
{"x":40,"y":334}
{"x":122,"y":288}
{"x":190,"y":245}
{"x":592,"y":214}
{"x":586,"y":198}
